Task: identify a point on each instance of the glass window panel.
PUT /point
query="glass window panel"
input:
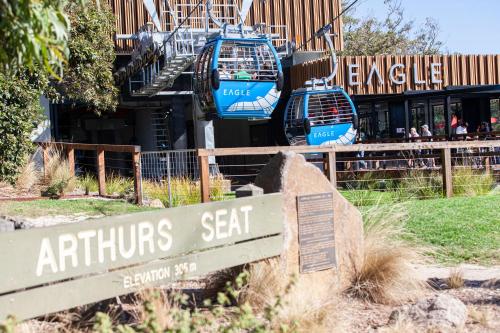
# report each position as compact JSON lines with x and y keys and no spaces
{"x":382,"y":112}
{"x":247,"y":61}
{"x":366,"y":122}
{"x":329,"y":109}
{"x":438,"y":120}
{"x":495,"y":114}
{"x":417,"y":116}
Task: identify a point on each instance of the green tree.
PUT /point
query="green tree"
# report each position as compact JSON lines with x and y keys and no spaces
{"x":34,"y":35}
{"x":392,"y":35}
{"x":20,"y":114}
{"x":88,"y":76}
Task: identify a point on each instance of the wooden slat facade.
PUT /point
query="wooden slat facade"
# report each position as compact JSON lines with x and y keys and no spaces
{"x":302,"y":18}
{"x":455,"y":70}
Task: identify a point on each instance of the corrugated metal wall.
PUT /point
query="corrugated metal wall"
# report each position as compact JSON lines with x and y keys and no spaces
{"x":302,"y":18}
{"x":457,"y":70}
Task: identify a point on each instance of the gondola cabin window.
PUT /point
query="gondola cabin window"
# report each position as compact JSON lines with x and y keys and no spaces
{"x":294,"y":122}
{"x":203,"y":75}
{"x":246,"y":61}
{"x":329,"y":109}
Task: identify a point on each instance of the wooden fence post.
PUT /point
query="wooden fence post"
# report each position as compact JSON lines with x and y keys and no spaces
{"x":204,"y":178}
{"x":136,"y":160}
{"x":487,"y":165}
{"x":101,"y":171}
{"x":70,"y":154}
{"x":332,"y":168}
{"x":447,"y":172}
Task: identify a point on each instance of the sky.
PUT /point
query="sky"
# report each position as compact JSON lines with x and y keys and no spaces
{"x":468,"y":27}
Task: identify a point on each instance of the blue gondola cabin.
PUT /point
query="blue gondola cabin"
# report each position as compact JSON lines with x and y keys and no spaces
{"x":320,"y":116}
{"x":238,"y":78}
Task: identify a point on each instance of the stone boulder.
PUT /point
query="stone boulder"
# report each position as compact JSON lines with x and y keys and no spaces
{"x":156,"y":203}
{"x":443,"y":312}
{"x":291,"y":174}
{"x":6,"y":225}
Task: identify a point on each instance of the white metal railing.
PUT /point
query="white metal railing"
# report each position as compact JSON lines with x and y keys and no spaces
{"x":199,"y":20}
{"x":279,"y":37}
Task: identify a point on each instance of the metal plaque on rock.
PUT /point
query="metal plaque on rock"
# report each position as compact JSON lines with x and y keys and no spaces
{"x":316,"y":233}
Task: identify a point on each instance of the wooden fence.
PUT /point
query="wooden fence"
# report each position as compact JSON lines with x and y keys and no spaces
{"x":50,"y":269}
{"x":330,"y":162}
{"x":69,"y":149}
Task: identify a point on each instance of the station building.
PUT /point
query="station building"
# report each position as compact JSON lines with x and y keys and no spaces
{"x":391,"y":93}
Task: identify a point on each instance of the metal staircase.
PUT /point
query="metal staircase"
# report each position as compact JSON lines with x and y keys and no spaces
{"x":177,"y":54}
{"x":160,"y":56}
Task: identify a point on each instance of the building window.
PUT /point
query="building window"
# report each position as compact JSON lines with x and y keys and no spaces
{"x":417,"y":116}
{"x":382,"y":113}
{"x":438,"y":121}
{"x":456,"y":114}
{"x":365,"y":122}
{"x":495,"y":114}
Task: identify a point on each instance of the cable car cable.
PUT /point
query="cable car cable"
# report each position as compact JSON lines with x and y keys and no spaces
{"x":341,"y":13}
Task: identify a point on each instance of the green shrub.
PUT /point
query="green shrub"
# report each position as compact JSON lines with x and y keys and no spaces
{"x":421,"y":184}
{"x":120,"y":186}
{"x":159,"y":312}
{"x":88,"y":183}
{"x":470,"y":182}
{"x":184,"y":191}
{"x":20,"y":113}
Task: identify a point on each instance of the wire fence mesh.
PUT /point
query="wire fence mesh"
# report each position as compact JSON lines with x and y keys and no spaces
{"x":365,"y":178}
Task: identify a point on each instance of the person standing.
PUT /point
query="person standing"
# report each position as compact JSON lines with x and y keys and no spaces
{"x":429,"y":162}
{"x":413,"y":135}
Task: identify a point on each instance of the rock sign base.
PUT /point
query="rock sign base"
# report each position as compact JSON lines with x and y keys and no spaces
{"x":291,"y":174}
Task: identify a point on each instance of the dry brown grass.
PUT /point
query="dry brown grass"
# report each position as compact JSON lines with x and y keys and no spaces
{"x":7,"y":190}
{"x":27,"y":178}
{"x":402,"y":325}
{"x":406,"y":325}
{"x":456,"y":279}
{"x":163,"y":306}
{"x":482,"y":316}
{"x":58,"y":176}
{"x":303,"y":306}
{"x":386,"y":275}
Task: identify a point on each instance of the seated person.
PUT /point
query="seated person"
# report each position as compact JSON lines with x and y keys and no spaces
{"x":333,"y":114}
{"x":224,"y":74}
{"x":267,"y":73}
{"x":242,"y":74}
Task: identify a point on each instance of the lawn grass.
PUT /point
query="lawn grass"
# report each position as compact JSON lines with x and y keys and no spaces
{"x":458,"y":230}
{"x":90,"y":207}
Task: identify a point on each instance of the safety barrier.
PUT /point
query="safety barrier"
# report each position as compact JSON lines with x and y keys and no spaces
{"x":98,"y":163}
{"x":192,"y":176}
{"x":400,"y":161}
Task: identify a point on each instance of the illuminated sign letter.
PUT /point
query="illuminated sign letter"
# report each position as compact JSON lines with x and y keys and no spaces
{"x":376,"y":71}
{"x":400,"y":78}
{"x":436,"y":71}
{"x":353,"y":75}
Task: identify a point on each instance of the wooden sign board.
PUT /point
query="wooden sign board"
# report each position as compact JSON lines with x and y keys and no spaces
{"x":94,"y":260}
{"x":316,"y":232}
